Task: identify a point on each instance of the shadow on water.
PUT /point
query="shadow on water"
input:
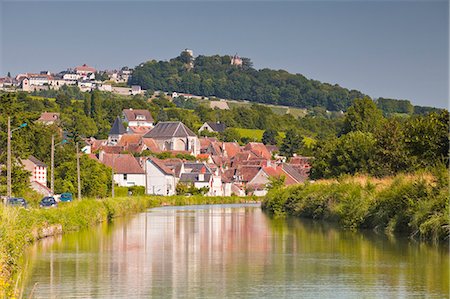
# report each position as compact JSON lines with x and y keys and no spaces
{"x":234,"y":251}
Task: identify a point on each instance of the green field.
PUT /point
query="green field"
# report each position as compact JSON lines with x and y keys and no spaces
{"x":254,"y":134}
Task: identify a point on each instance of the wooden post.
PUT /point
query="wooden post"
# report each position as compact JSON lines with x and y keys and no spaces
{"x":8,"y":166}
{"x":112,"y":176}
{"x":52,"y":170}
{"x":78,"y":173}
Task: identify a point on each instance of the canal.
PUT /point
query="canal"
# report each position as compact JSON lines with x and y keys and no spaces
{"x":233,"y":251}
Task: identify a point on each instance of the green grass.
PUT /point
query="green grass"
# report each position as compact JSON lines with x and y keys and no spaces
{"x":416,"y":205}
{"x":39,"y":98}
{"x":20,"y":227}
{"x":254,"y":134}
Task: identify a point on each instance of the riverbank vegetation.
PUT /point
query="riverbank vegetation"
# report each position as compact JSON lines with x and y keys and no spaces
{"x":413,"y":204}
{"x":20,"y":227}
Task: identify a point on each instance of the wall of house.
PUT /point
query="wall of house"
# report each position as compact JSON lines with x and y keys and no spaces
{"x":139,"y":123}
{"x":260,"y":178}
{"x":159,"y":183}
{"x":216,"y":188}
{"x":40,"y":175}
{"x":226,"y":187}
{"x":179,"y":144}
{"x":131,"y":180}
{"x":205,"y":127}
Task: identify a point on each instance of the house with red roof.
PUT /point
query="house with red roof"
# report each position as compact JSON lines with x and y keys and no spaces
{"x":49,"y":118}
{"x":127,"y":170}
{"x":137,"y":118}
{"x":85,"y":72}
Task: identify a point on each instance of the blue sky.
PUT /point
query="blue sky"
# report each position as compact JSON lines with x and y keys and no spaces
{"x":395,"y":49}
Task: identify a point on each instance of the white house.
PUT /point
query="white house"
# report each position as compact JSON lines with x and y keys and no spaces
{"x":161,"y":180}
{"x":127,"y":170}
{"x":137,"y":117}
{"x":200,"y":175}
{"x":38,"y":170}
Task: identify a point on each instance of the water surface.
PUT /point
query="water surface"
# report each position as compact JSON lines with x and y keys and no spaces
{"x":233,"y":251}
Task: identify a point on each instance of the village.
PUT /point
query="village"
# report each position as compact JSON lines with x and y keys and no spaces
{"x":214,"y":167}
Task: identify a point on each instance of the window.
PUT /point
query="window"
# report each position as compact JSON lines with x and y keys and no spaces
{"x":124,"y":176}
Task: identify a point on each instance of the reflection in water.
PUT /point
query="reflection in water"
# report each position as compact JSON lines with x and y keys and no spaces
{"x":231,"y":251}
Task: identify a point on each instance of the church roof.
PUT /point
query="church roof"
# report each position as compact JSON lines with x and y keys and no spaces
{"x":169,"y":129}
{"x":117,"y":128}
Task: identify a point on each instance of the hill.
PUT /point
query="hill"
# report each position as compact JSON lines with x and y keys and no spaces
{"x":218,"y":76}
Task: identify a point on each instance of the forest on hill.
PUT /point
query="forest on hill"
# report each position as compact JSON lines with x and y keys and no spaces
{"x":217,"y":76}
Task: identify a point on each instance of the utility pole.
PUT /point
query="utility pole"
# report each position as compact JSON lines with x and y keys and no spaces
{"x":146,"y":176}
{"x":8,"y":163}
{"x":112,"y":177}
{"x":52,"y":173}
{"x":78,"y":173}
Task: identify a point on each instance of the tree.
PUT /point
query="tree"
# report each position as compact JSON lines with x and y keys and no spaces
{"x":348,"y":154}
{"x":427,"y":138}
{"x":291,"y":143}
{"x":276,"y":182}
{"x":270,"y":136}
{"x":87,"y":104}
{"x":95,"y":177}
{"x":162,"y":115}
{"x":63,"y":100}
{"x":390,"y":154}
{"x":230,"y":135}
{"x":362,"y":116}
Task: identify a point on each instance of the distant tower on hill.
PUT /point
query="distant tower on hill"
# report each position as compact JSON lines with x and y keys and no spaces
{"x":188,"y":57}
{"x":236,"y":60}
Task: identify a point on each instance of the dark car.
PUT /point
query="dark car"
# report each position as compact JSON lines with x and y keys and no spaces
{"x":17,"y":202}
{"x":66,"y":197}
{"x":48,"y":202}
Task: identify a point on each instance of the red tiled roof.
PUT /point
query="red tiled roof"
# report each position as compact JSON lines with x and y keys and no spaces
{"x":139,"y":130}
{"x":258,"y":149}
{"x":112,"y":149}
{"x":85,"y":68}
{"x":278,"y":172}
{"x":128,"y":139}
{"x":49,"y":116}
{"x":131,"y":114}
{"x":248,"y":172}
{"x":123,"y":163}
{"x":162,"y":166}
{"x":232,"y":148}
{"x":151,"y":144}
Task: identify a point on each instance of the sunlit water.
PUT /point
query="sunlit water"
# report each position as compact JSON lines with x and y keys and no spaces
{"x":233,"y":251}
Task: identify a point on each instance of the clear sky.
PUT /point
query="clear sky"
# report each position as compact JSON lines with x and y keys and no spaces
{"x":397,"y":49}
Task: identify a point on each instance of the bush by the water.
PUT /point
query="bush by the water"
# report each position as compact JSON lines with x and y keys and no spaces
{"x":417,"y":205}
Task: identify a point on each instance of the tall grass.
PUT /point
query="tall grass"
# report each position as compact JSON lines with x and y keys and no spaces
{"x":20,"y":227}
{"x":416,"y":205}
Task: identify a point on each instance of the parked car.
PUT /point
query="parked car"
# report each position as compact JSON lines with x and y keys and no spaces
{"x":17,"y":202}
{"x":66,"y":197}
{"x":48,"y":202}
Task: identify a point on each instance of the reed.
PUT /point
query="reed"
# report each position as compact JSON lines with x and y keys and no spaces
{"x":413,"y":204}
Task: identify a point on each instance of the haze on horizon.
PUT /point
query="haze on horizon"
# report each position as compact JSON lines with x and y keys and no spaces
{"x":392,"y":49}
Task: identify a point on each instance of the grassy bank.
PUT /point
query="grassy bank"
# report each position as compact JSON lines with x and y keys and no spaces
{"x":415,"y":204}
{"x":20,"y":227}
